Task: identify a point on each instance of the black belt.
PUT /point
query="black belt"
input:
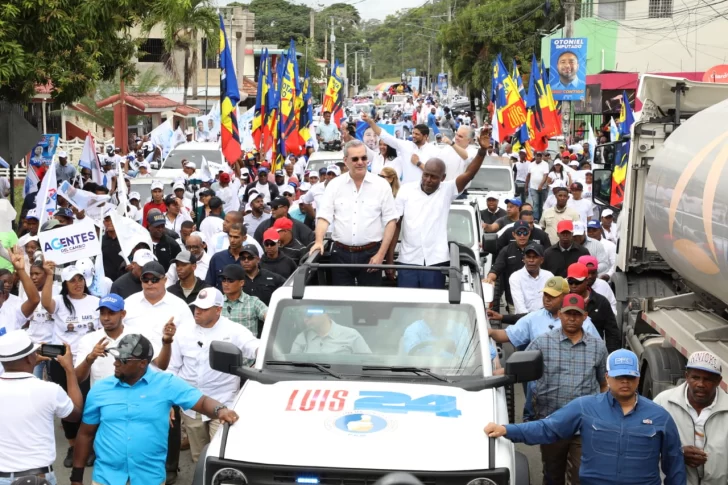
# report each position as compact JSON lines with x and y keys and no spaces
{"x":357,"y":249}
{"x":25,"y":473}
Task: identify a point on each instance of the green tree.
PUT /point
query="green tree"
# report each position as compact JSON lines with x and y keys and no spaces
{"x":71,"y":44}
{"x":279,"y":21}
{"x":180,"y":26}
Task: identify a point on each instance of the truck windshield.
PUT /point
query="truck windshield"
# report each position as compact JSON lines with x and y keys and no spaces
{"x":495,"y":179}
{"x":174,"y":160}
{"x":350,"y":335}
{"x":460,"y":227}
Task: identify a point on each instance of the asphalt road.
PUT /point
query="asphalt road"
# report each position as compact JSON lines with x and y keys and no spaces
{"x":187,"y":468}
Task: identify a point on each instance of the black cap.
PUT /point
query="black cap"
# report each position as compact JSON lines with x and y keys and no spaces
{"x":519,"y":224}
{"x":250,"y":249}
{"x":279,"y":201}
{"x":234,"y":272}
{"x":156,"y":219}
{"x":155,"y":268}
{"x":206,"y":192}
{"x":133,"y":346}
{"x":215,"y":202}
{"x":536,"y":248}
{"x":185,"y":257}
{"x":170,"y":199}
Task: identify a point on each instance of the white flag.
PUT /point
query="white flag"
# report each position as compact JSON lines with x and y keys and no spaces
{"x":206,"y":172}
{"x":161,"y":136}
{"x":592,"y":140}
{"x":90,"y":160}
{"x":80,"y":199}
{"x":31,"y":182}
{"x":98,"y":285}
{"x":494,"y":122}
{"x":179,"y":137}
{"x":45,"y":201}
{"x":130,"y":234}
{"x":121,"y":191}
{"x":613,"y":131}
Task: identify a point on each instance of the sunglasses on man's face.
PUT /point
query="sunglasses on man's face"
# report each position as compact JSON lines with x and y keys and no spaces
{"x":247,"y":258}
{"x":363,"y":158}
{"x":154,"y":280}
{"x":574,"y":281}
{"x":270,"y":244}
{"x":522,"y":232}
{"x":124,"y":361}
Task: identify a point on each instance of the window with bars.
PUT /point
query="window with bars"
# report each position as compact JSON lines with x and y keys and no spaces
{"x":209,"y":62}
{"x":612,"y":9}
{"x":152,"y":50}
{"x":660,"y":9}
{"x":587,"y":9}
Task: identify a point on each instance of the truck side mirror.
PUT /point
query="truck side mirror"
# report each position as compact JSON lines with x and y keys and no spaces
{"x":602,"y":187}
{"x":225,"y":357}
{"x":525,"y":366}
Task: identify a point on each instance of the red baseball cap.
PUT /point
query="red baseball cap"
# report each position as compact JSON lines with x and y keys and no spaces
{"x":572,"y":301}
{"x":566,"y":225}
{"x":225,"y":177}
{"x":283,"y":223}
{"x":271,"y":235}
{"x":589,"y":260}
{"x":578,"y":271}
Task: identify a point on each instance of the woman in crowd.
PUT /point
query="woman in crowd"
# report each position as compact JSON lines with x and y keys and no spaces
{"x":389,"y":174}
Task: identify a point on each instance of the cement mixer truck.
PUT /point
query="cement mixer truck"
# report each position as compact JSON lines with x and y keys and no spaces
{"x":668,"y":186}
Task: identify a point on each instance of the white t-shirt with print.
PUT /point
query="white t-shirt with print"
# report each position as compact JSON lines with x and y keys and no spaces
{"x":70,"y":328}
{"x":40,"y":328}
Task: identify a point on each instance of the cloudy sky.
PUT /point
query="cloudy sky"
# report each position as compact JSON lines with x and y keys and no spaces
{"x":369,"y":9}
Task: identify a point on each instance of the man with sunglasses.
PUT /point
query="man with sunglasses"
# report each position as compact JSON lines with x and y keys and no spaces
{"x":238,"y":306}
{"x":360,"y":209}
{"x":597,"y":284}
{"x":279,"y":210}
{"x":596,"y":305}
{"x":259,"y":282}
{"x":126,"y":418}
{"x":287,"y":244}
{"x":626,"y":438}
{"x":273,"y":260}
{"x":538,"y":235}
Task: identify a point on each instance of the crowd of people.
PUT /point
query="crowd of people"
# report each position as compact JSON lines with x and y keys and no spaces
{"x":133,"y":384}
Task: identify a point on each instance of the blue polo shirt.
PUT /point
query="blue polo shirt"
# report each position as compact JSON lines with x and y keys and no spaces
{"x":538,"y":323}
{"x":131,"y":440}
{"x":217,"y":264}
{"x":628,"y":449}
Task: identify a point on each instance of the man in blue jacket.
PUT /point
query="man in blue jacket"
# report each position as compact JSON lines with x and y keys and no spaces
{"x":625,"y":438}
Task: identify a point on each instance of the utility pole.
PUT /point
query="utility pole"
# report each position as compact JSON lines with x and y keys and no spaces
{"x":567,"y":107}
{"x":449,"y":71}
{"x":356,"y":72}
{"x":428,"y":81}
{"x":346,"y":69}
{"x":333,"y":44}
{"x":311,"y":37}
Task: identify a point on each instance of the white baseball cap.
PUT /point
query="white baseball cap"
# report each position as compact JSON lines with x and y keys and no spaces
{"x":208,"y":298}
{"x":706,"y":361}
{"x":189,"y":164}
{"x":62,"y":154}
{"x":333,"y":169}
{"x":69,"y":272}
{"x":15,"y":345}
{"x":143,"y":256}
{"x":86,"y":267}
{"x":607,"y":213}
{"x":579,"y":229}
{"x":144,"y":164}
{"x":178,"y":185}
{"x":288,"y":190}
{"x":491,"y":195}
{"x":305,"y":187}
{"x":157,"y":185}
{"x":135,"y":195}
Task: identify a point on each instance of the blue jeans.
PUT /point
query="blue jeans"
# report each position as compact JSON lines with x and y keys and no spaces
{"x":410,"y":278}
{"x":538,"y":197}
{"x":352,"y":277}
{"x":529,"y":412}
{"x":51,"y":477}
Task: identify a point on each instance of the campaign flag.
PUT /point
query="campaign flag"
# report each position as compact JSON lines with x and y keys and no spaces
{"x":291,"y":102}
{"x":511,"y":113}
{"x":626,"y":117}
{"x":279,"y":146}
{"x":90,"y":160}
{"x":271,"y":112}
{"x":229,"y":99}
{"x":245,"y":123}
{"x":495,"y":133}
{"x":567,"y":73}
{"x":162,"y":136}
{"x":613,"y":130}
{"x":523,"y":133}
{"x":206,"y":172}
{"x":31,"y":182}
{"x":134,"y":234}
{"x":545,"y":120}
{"x":592,"y":140}
{"x":304,"y":129}
{"x":98,"y":284}
{"x":65,"y":244}
{"x":333,"y":96}
{"x":45,"y":201}
{"x":82,"y":199}
{"x":259,"y":113}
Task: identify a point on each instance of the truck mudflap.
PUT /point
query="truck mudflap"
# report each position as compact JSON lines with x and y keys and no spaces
{"x":687,"y":328}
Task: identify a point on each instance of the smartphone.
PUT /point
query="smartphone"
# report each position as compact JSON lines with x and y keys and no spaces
{"x":52,"y":351}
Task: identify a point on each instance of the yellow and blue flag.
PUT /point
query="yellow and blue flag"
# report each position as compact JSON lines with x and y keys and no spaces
{"x":229,"y":99}
{"x":511,"y":112}
{"x":260,"y":100}
{"x":626,"y":116}
{"x":304,"y":129}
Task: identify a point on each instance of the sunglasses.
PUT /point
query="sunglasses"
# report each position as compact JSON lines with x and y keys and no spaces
{"x":228,"y":280}
{"x":522,"y":232}
{"x":192,"y":248}
{"x":574,"y":281}
{"x":154,"y":280}
{"x":247,"y":258}
{"x":124,"y":361}
{"x":363,"y":158}
{"x":270,"y":244}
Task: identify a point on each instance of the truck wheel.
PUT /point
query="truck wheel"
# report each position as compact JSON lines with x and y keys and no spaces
{"x":523,"y":473}
{"x":661,"y":368}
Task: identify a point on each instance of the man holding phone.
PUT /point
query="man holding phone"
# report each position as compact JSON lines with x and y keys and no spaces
{"x":29,"y":407}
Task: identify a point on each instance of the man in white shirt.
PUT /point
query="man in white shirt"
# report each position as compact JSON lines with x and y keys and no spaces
{"x":584,"y":207}
{"x":598,"y":284}
{"x":594,"y":247}
{"x":424,"y":207}
{"x":609,"y":227}
{"x":228,"y":193}
{"x":191,"y":362}
{"x":458,"y":153}
{"x":521,"y":166}
{"x":594,"y":231}
{"x":311,"y":200}
{"x":527,"y":283}
{"x":537,"y":183}
{"x":174,"y":217}
{"x":212,"y":224}
{"x":28,"y":409}
{"x":359,"y":207}
{"x":414,"y":153}
{"x":148,"y":311}
{"x":327,"y":131}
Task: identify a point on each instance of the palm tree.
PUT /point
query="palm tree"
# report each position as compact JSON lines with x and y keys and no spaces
{"x":181,"y":23}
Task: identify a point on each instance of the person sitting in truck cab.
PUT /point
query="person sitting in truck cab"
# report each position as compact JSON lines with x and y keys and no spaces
{"x":324,"y":336}
{"x":437,"y":335}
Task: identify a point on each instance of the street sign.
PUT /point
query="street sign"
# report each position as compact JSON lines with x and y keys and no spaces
{"x":17,"y":136}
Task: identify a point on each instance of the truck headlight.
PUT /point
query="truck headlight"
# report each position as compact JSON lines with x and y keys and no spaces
{"x":230,"y":476}
{"x":482,"y":481}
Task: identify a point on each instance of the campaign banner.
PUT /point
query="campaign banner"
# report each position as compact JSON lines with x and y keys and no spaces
{"x":70,"y":243}
{"x":44,"y":151}
{"x":81,"y":199}
{"x":207,"y":128}
{"x":567,"y":72}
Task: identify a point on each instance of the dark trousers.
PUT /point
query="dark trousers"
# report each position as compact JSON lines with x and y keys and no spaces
{"x":58,"y":375}
{"x":352,"y":277}
{"x":409,"y":278}
{"x":561,"y":461}
{"x":174,"y":443}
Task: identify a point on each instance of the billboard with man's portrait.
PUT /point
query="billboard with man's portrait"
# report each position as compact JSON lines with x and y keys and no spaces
{"x":567,"y":72}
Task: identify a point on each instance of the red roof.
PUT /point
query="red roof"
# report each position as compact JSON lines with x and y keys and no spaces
{"x":185,"y":110}
{"x":250,"y":88}
{"x":140,"y":101}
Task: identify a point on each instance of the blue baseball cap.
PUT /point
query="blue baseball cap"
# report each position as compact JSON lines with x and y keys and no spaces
{"x":516,"y":202}
{"x":623,"y":362}
{"x":594,"y":225}
{"x":113,"y":302}
{"x":262,"y":170}
{"x":521,"y":225}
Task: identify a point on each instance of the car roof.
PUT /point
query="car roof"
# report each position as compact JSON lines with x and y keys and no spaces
{"x":321,"y":155}
{"x":192,"y":146}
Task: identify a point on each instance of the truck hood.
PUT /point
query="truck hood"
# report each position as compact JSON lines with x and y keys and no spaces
{"x":361,"y":425}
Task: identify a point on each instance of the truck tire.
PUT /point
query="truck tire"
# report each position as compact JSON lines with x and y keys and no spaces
{"x":660,"y":367}
{"x":199,"y":476}
{"x":523,"y":473}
